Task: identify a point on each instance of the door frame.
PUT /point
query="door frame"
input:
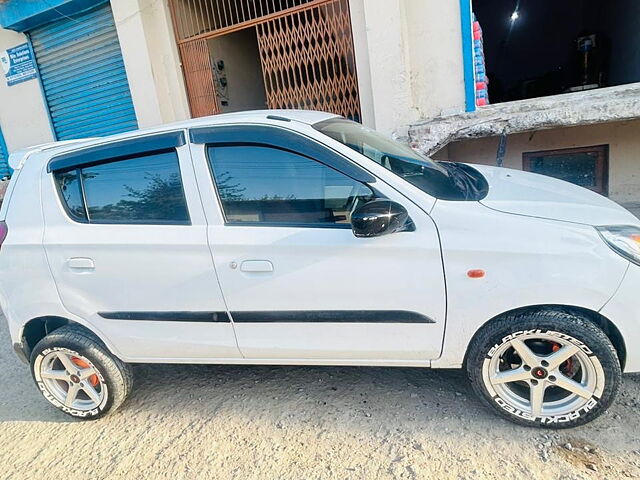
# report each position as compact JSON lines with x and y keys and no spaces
{"x":203,"y":95}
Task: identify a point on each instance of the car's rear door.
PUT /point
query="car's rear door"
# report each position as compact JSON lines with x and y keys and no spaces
{"x":126,"y":238}
{"x":298,"y":284}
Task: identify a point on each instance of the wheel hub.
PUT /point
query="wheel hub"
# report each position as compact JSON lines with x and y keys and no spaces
{"x":539,"y":373}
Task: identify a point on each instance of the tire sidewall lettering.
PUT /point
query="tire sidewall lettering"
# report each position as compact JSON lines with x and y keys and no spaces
{"x":551,"y":419}
{"x":534,"y":331}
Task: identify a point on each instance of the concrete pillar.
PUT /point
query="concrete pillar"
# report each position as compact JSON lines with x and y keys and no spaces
{"x":435,"y":51}
{"x":381,"y":57}
{"x":409,"y":60}
{"x":151,"y":60}
{"x":363,"y":66}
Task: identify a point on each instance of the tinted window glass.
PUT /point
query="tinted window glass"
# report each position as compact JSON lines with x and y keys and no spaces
{"x":69,"y":187}
{"x":261,"y":184}
{"x":441,"y":180}
{"x":138,"y":190}
{"x":145,"y":189}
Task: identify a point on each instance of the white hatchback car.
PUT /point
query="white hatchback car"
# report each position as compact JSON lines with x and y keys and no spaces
{"x":297,"y":237}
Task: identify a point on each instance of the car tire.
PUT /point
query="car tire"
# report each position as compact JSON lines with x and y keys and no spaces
{"x":574,"y":377}
{"x":76,"y":373}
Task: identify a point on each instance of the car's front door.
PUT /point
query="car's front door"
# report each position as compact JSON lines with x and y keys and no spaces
{"x":297,"y":282}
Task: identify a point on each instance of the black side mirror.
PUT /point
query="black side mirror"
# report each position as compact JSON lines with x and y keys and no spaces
{"x":380,"y":217}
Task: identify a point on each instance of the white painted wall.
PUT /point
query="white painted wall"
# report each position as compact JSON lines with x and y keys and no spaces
{"x":622,"y":137}
{"x":409,"y":60}
{"x":152,"y":61}
{"x":435,"y":51}
{"x":23,"y":116}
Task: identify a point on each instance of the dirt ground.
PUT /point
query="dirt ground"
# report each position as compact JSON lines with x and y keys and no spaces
{"x":224,"y":422}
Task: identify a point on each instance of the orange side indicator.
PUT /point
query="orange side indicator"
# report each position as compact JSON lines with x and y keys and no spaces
{"x":475,"y":273}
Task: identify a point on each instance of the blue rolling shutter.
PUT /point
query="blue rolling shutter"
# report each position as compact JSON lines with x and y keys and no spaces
{"x":83,"y":75}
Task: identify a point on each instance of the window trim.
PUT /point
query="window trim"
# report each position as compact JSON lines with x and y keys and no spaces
{"x":114,"y":151}
{"x":601,"y":169}
{"x":283,"y":139}
{"x":88,"y":220}
{"x":227,"y":223}
{"x":65,"y":205}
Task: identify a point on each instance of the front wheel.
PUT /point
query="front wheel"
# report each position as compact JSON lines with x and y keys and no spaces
{"x":76,"y":373}
{"x":546,"y":369}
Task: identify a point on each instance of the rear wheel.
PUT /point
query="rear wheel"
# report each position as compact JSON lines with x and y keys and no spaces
{"x":76,"y":373}
{"x":547,"y":369}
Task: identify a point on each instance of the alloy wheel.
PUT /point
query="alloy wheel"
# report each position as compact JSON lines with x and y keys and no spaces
{"x":72,"y":380}
{"x":543,"y":375}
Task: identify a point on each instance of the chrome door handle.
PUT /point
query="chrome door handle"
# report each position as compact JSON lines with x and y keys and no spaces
{"x":81,"y":263}
{"x":256,"y":266}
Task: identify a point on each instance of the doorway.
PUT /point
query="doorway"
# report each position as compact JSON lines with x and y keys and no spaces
{"x":291,"y":54}
{"x":237,"y":74}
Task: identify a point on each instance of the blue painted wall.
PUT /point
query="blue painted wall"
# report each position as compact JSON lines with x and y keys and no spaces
{"x":5,"y":171}
{"x":467,"y":55}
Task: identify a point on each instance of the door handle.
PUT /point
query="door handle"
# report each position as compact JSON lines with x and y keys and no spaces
{"x":81,"y":263}
{"x":256,"y":266}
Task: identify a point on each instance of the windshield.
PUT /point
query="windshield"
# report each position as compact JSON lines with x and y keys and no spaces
{"x":441,"y":180}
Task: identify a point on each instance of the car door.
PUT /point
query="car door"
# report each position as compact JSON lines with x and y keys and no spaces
{"x":297,"y":282}
{"x":126,"y":239}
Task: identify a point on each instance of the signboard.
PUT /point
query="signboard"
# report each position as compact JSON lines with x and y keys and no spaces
{"x":18,"y":64}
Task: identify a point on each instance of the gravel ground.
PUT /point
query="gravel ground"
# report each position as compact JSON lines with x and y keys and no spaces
{"x":201,"y":422}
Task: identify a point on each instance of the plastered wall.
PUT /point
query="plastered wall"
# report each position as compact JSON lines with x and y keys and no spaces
{"x":152,"y":61}
{"x":409,"y":60}
{"x":23,"y":116}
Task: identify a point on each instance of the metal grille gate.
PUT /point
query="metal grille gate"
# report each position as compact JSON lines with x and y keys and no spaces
{"x":308,"y":60}
{"x":306,"y":51}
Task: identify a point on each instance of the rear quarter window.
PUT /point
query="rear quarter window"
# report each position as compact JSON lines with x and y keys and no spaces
{"x":145,"y":189}
{"x":71,"y":193}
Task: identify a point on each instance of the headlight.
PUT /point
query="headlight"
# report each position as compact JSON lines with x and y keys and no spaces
{"x":623,"y":239}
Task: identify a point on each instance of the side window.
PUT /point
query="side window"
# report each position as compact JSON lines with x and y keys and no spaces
{"x":268,"y":185}
{"x":141,"y":190}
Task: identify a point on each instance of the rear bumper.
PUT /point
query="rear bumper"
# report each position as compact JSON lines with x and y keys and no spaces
{"x":623,"y":309}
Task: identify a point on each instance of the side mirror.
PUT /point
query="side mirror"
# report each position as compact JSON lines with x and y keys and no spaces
{"x":380,"y":217}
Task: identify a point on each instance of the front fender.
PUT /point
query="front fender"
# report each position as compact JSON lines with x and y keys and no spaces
{"x":527,"y":262}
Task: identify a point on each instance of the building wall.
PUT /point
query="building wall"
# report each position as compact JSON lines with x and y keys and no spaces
{"x":435,"y":50}
{"x":23,"y":116}
{"x":152,"y":61}
{"x":623,"y":140}
{"x":409,"y":60}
